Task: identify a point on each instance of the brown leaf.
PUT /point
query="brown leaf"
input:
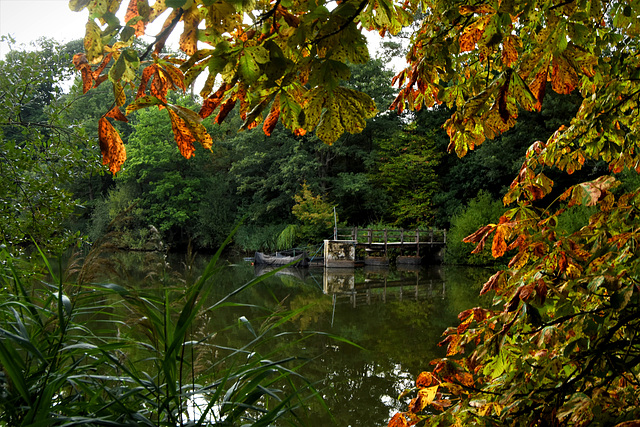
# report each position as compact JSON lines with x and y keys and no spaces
{"x":225,"y":110}
{"x":472,"y":33}
{"x":564,"y":77}
{"x":211,"y":103}
{"x":167,"y":23}
{"x":479,"y":234}
{"x":272,"y":119}
{"x":111,"y":146}
{"x":182,"y":134}
{"x":132,"y":12}
{"x":538,"y":86}
{"x":115,"y":113}
{"x":398,"y":420}
{"x":425,"y":379}
{"x":510,"y":45}
{"x":493,"y":283}
{"x":189,"y":37}
{"x":144,"y":80}
{"x":82,"y":65}
{"x":499,"y":245}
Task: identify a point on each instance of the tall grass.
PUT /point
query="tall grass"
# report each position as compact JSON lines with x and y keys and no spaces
{"x":77,"y":353}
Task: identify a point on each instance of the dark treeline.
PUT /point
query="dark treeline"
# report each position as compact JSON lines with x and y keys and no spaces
{"x":396,"y":173}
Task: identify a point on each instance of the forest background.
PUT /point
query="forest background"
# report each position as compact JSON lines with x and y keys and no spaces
{"x":395,"y":174}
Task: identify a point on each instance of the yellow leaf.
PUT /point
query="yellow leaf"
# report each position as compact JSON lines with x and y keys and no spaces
{"x":182,"y":135}
{"x":111,"y":146}
{"x":472,"y":33}
{"x":189,"y":37}
{"x":93,"y":42}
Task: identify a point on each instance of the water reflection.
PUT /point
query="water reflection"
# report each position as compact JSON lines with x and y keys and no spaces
{"x":396,"y":314}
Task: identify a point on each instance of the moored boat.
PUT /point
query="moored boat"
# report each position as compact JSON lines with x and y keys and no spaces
{"x":279,"y":259}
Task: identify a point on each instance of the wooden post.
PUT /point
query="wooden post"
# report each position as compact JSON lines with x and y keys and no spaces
{"x":355,"y":234}
{"x":385,"y":242}
{"x":417,"y":242}
{"x":370,"y":236}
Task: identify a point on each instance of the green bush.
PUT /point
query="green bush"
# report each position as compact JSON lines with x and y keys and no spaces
{"x":482,"y":210}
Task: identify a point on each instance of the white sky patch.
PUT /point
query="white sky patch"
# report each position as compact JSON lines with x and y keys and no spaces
{"x":29,"y":20}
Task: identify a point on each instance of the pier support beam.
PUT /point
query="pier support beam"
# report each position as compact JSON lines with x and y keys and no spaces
{"x":339,"y":253}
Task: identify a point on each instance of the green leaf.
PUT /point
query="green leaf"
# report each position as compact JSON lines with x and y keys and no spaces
{"x":143,"y":102}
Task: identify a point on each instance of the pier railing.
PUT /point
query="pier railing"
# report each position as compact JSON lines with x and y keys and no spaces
{"x":370,"y":236}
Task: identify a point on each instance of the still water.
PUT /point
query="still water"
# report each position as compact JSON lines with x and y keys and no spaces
{"x":395,"y":316}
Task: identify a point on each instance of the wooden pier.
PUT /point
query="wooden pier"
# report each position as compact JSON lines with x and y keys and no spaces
{"x":377,"y":243}
{"x":380,"y":240}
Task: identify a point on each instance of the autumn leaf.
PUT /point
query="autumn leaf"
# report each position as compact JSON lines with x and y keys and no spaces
{"x":115,"y":113}
{"x":425,"y":379}
{"x":211,"y":103}
{"x":182,"y":135}
{"x":472,"y":34}
{"x":398,"y":420}
{"x":143,"y":102}
{"x":499,"y":245}
{"x":194,"y":124}
{"x":111,"y":146}
{"x":424,"y":398}
{"x":272,"y":118}
{"x":189,"y":37}
{"x":93,"y":43}
{"x":225,"y":109}
{"x":564,"y":77}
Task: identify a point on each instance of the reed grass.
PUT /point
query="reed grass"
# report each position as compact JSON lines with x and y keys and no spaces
{"x":80,"y":353}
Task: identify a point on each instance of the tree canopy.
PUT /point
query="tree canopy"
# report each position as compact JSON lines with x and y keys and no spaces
{"x":559,"y":345}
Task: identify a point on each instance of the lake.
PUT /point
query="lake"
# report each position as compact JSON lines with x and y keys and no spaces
{"x":395,"y":316}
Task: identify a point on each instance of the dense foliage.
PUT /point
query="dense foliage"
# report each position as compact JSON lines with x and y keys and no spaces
{"x":559,"y":345}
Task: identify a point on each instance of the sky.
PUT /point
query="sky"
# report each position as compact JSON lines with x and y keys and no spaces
{"x":28,"y":20}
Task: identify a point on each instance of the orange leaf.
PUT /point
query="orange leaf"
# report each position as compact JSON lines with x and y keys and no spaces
{"x":111,"y":145}
{"x":472,"y":33}
{"x":182,"y":134}
{"x":115,"y":113}
{"x":144,"y":80}
{"x":493,"y":283}
{"x":82,"y":64}
{"x":102,"y":66}
{"x":189,"y":37}
{"x":211,"y":103}
{"x":425,"y":379}
{"x":272,"y":119}
{"x":510,"y":45}
{"x":499,"y":245}
{"x":538,"y":86}
{"x":132,"y":12}
{"x":225,"y":110}
{"x":398,"y":420}
{"x":563,"y":76}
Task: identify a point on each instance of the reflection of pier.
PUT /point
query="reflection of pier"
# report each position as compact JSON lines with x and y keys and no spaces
{"x":379,"y":287}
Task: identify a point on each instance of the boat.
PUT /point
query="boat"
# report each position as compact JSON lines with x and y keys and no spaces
{"x":280,"y":259}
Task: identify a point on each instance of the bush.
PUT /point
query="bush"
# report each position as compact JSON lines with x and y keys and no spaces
{"x":482,"y":210}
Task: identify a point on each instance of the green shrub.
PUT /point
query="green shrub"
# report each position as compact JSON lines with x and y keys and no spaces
{"x":480,"y":211}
